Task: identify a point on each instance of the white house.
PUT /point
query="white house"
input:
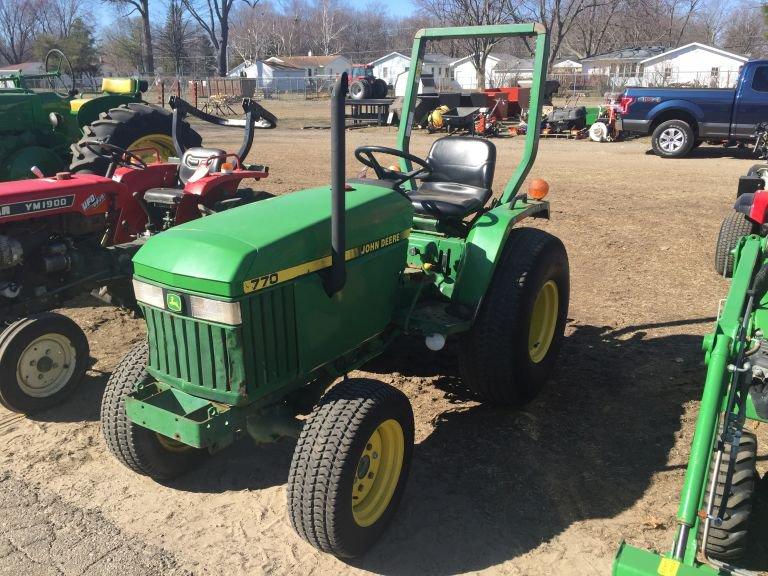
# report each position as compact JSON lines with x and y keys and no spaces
{"x":567,"y":66}
{"x":694,"y":64}
{"x":271,"y":76}
{"x":622,"y":66}
{"x":392,"y":65}
{"x":330,"y":66}
{"x":500,"y":70}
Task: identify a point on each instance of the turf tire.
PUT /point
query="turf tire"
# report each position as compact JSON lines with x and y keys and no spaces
{"x":136,"y":447}
{"x":729,"y":541}
{"x":122,"y":126}
{"x":494,"y":360}
{"x":325,"y":462}
{"x":733,"y":227}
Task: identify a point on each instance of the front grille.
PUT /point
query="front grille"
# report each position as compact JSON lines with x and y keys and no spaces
{"x":262,"y":353}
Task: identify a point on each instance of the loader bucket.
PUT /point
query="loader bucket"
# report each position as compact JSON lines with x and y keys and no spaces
{"x":631,"y":561}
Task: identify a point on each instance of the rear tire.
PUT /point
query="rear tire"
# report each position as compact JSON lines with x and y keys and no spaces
{"x":350,"y":466}
{"x":729,"y":541}
{"x":734,"y":226}
{"x":672,"y":139}
{"x":125,"y":127}
{"x":43,"y":358}
{"x":511,"y":350}
{"x":139,"y":449}
{"x":360,"y":90}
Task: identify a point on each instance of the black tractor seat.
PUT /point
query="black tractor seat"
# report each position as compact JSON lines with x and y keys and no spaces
{"x":461,"y":180}
{"x":189,"y":164}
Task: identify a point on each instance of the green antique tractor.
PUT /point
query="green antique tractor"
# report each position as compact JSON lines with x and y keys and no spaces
{"x":253,"y":314}
{"x":43,"y":125}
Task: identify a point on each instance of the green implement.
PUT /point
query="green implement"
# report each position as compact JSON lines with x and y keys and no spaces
{"x":255,"y":313}
{"x":714,"y":508}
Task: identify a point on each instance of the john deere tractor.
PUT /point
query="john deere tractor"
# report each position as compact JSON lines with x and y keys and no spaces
{"x":713,"y":517}
{"x":44,"y":125}
{"x":254,"y":314}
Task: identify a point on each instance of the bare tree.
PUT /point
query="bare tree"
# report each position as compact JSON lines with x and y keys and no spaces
{"x":330,"y":28}
{"x":213,"y":17}
{"x":141,"y":7}
{"x":18,"y":25}
{"x":253,"y":34}
{"x":473,"y":13}
{"x":58,"y":17}
{"x":746,"y":31}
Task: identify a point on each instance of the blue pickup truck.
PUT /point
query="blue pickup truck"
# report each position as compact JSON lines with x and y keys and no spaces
{"x":680,"y":119}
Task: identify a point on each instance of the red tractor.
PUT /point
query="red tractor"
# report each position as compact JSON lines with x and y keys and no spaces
{"x":74,"y":233}
{"x":365,"y":84}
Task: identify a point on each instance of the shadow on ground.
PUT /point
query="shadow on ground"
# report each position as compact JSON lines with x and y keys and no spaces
{"x":491,"y":484}
{"x":705,"y":151}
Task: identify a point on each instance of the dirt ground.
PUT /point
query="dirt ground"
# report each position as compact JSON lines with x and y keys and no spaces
{"x":550,"y":489}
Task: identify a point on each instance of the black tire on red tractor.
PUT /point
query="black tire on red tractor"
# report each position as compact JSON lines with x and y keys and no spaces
{"x":130,"y":126}
{"x":734,"y":226}
{"x":360,"y":90}
{"x":729,"y":540}
{"x":380,"y":88}
{"x":139,"y":449}
{"x":350,"y":466}
{"x":512,"y":348}
{"x":43,"y":359}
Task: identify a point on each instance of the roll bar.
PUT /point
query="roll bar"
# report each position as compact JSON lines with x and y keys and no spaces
{"x":537,"y":87}
{"x":256,"y":116}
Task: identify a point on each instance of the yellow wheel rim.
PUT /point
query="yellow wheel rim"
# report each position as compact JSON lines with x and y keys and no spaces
{"x":543,"y":322}
{"x":378,"y":472}
{"x":170,"y":444}
{"x":162,"y":142}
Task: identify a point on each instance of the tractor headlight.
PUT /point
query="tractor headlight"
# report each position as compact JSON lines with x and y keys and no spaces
{"x":148,"y":294}
{"x":215,"y":310}
{"x":194,"y":306}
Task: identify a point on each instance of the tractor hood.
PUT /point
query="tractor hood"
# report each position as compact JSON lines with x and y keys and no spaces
{"x":223,"y":255}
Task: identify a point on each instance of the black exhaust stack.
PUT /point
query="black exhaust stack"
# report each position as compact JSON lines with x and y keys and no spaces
{"x":337,"y":275}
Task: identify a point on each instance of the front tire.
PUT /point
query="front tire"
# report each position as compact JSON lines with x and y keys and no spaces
{"x":350,"y":466}
{"x":734,"y":226}
{"x":673,"y":139}
{"x":511,"y":350}
{"x":139,"y":449}
{"x":729,"y":541}
{"x":130,"y":126}
{"x":43,"y":358}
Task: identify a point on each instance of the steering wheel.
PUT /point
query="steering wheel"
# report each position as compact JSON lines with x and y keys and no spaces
{"x":60,"y":58}
{"x":117,"y":155}
{"x":365,"y":155}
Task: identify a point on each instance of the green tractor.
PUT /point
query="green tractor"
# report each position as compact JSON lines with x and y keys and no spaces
{"x":253,"y":314}
{"x":721,"y":480}
{"x":46,"y":128}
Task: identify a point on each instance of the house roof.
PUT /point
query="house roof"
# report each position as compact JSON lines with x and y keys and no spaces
{"x":269,"y":62}
{"x":438,"y":59}
{"x":387,"y":57}
{"x":634,"y":54}
{"x":514,"y":64}
{"x":567,"y":63}
{"x":25,"y":67}
{"x":706,"y":47}
{"x":304,"y":61}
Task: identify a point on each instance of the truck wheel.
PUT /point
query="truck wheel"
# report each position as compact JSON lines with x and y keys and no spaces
{"x":42,"y":360}
{"x":729,"y":541}
{"x":672,"y":139}
{"x":130,"y":126}
{"x":511,"y":350}
{"x":359,"y":90}
{"x":142,"y":450}
{"x":734,"y":226}
{"x":350,"y":466}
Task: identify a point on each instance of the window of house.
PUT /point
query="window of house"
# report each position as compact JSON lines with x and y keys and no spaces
{"x":385,"y":72}
{"x":309,"y":71}
{"x":667,"y":71}
{"x":715,"y":72}
{"x":440,"y":71}
{"x":760,"y":81}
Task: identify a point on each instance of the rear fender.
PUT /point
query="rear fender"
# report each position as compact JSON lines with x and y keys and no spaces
{"x":89,"y":111}
{"x":669,"y":107}
{"x":754,"y":206}
{"x":485,"y":243}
